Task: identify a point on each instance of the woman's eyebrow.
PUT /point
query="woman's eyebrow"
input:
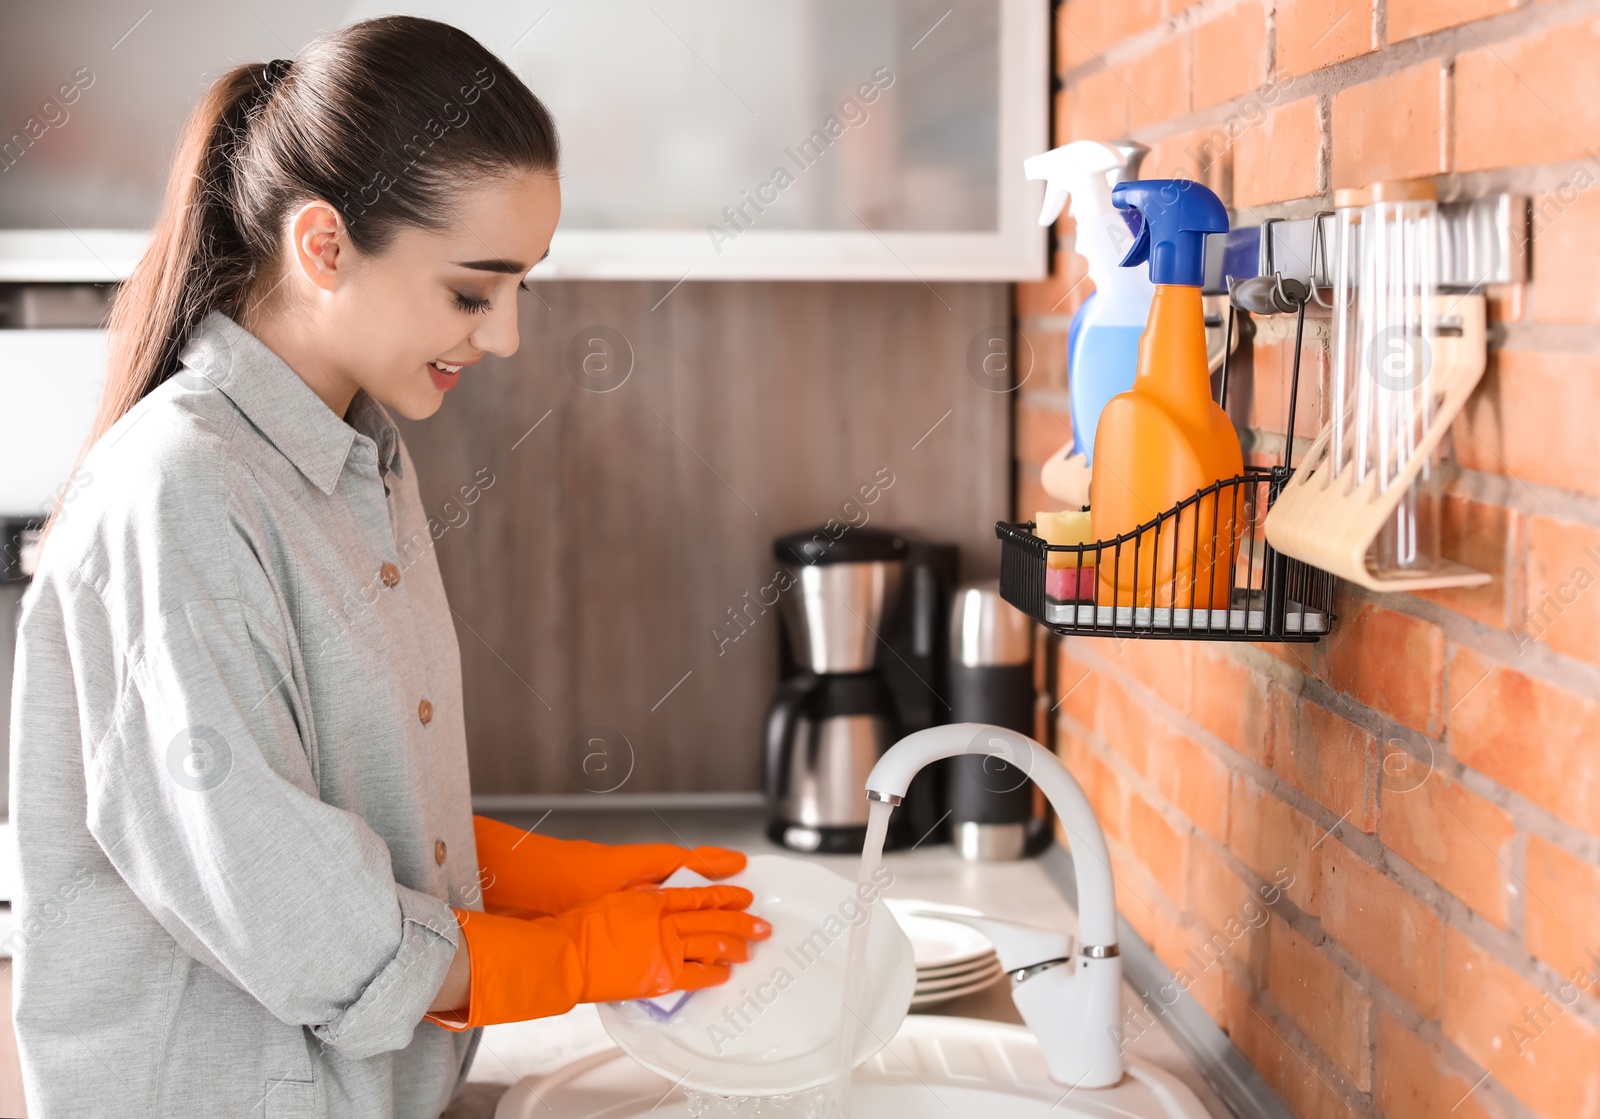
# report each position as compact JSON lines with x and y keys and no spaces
{"x":509,"y":267}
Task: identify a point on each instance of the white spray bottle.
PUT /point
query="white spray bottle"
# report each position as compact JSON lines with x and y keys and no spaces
{"x":1103,"y":340}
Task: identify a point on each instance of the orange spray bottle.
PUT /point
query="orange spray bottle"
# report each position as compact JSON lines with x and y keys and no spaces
{"x":1166,"y":438}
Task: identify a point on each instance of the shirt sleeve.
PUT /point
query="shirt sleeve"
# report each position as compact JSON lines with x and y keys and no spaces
{"x":204,"y":798}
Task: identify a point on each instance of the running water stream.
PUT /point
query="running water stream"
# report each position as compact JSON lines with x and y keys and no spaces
{"x":832,"y":1099}
{"x":850,"y":1016}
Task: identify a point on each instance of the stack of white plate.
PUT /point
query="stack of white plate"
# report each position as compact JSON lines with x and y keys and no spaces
{"x":952,"y":960}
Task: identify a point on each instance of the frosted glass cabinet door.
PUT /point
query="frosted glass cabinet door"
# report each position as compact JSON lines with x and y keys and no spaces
{"x":785,"y":138}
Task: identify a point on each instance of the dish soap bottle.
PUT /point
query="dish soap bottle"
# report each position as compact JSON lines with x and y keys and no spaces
{"x":1166,"y":438}
{"x":1103,"y":339}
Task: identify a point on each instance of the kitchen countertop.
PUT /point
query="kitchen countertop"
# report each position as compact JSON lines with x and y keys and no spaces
{"x":1022,"y":890}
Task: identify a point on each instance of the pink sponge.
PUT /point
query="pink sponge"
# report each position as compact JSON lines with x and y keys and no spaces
{"x":1069,"y":584}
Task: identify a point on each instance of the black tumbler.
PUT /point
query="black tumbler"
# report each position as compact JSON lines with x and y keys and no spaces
{"x":991,"y":681}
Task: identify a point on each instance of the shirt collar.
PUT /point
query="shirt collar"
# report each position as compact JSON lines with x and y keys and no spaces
{"x":286,"y":410}
{"x":372,"y":419}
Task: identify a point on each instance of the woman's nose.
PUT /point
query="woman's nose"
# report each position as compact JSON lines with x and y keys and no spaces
{"x":498,"y":335}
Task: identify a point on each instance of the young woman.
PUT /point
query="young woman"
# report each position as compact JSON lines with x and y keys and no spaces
{"x":251,"y":882}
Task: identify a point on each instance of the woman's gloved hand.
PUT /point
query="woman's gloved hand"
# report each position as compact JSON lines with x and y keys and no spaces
{"x":641,"y":943}
{"x":530,"y":875}
{"x":633,"y":944}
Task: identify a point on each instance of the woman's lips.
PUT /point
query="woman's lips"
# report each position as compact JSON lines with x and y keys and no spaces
{"x":444,"y":380}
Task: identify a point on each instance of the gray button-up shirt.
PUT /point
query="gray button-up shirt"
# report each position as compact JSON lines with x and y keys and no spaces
{"x":240,"y":832}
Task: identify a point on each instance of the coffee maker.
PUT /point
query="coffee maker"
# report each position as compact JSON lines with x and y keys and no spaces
{"x":862,"y":663}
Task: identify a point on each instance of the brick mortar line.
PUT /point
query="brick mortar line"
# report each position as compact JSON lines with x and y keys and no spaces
{"x":1384,"y":62}
{"x":1388,"y":59}
{"x":1268,"y":779}
{"x":1537,"y":661}
{"x":1532,"y":499}
{"x":1261,"y":441}
{"x":1304,"y":683}
{"x":1225,"y":752}
{"x":1521,"y":178}
{"x":1457,"y":1062}
{"x":1318,"y":691}
{"x":1140,"y":43}
{"x":1170,"y":911}
{"x":1148,"y":884}
{"x":1581,"y":845}
{"x":1304,"y":924}
{"x":1287,"y":1029}
{"x":1270,"y":14}
{"x":1527,"y":817}
{"x":1044,"y":324}
{"x":1053,"y":400}
{"x":1533,"y":179}
{"x":1507,"y":945}
{"x":1546,"y":337}
{"x":1242,"y":870}
{"x":1506,"y":1104}
{"x":1447,"y":114}
{"x":1567,"y":673}
{"x":1237,"y":969}
{"x":1324,"y":145}
{"x":1520,"y":834}
{"x":1171,"y":812}
{"x":1483,"y":486}
{"x":1381,"y":996}
{"x":1521,"y":895}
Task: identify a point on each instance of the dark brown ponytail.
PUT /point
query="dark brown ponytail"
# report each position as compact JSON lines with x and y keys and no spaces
{"x":381,"y":119}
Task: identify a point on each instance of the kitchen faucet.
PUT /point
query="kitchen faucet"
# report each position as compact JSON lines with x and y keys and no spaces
{"x":1074,"y":1012}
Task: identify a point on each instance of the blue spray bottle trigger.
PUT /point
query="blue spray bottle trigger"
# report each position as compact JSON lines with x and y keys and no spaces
{"x":1169,"y":219}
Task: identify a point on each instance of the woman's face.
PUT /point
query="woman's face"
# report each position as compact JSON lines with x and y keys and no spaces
{"x":404,"y":324}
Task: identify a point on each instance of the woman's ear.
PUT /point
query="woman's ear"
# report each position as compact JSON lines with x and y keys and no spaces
{"x":318,"y":234}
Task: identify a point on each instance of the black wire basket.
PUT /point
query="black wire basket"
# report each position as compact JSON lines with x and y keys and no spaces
{"x":1165,"y":579}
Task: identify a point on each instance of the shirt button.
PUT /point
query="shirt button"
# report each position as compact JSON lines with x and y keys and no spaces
{"x":439,"y":852}
{"x":390,"y":574}
{"x":425,"y":712}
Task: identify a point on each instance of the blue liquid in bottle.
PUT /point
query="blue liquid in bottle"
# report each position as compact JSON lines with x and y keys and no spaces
{"x":1103,"y":365}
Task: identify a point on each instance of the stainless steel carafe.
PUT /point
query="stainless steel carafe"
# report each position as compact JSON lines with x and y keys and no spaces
{"x":991,"y":681}
{"x":829,"y":723}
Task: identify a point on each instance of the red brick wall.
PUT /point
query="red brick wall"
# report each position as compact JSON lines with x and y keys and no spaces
{"x":1423,"y":786}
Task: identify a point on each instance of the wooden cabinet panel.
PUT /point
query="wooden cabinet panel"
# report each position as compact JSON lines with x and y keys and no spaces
{"x":622,"y":526}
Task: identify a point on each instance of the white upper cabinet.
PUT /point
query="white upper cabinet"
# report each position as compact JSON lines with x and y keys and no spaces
{"x":701,"y":139}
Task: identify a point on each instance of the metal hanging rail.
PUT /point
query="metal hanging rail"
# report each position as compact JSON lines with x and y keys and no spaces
{"x":1482,"y":241}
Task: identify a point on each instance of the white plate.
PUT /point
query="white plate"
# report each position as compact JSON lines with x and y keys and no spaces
{"x":936,"y":943}
{"x":933,"y":986}
{"x":774,"y":1027}
{"x":923,"y":1001}
{"x":983,"y":962}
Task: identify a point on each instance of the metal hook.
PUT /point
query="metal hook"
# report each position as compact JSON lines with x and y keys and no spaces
{"x":1319,"y":247}
{"x":1294,"y":385}
{"x":1273,"y":295}
{"x":1267,"y":265}
{"x":1268,"y":294}
{"x":1227,"y":345}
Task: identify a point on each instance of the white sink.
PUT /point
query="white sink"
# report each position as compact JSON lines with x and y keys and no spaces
{"x":976,"y":1069}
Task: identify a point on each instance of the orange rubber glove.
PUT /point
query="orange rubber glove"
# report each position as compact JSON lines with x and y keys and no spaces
{"x":629,"y":945}
{"x":525,"y":874}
